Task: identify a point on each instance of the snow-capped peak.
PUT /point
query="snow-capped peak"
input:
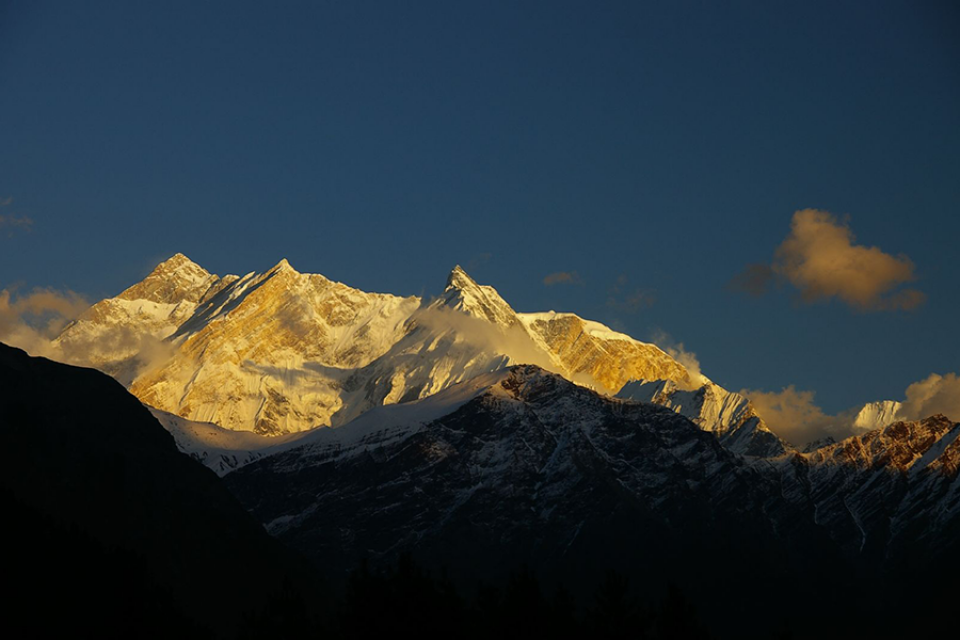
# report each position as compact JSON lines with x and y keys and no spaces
{"x":176,"y":261}
{"x":174,"y":280}
{"x":283,"y":265}
{"x":459,"y":278}
{"x":482,"y":301}
{"x":876,"y":415}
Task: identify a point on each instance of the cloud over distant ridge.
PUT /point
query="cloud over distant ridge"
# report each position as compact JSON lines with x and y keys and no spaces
{"x":934,"y":394}
{"x":794,"y":415}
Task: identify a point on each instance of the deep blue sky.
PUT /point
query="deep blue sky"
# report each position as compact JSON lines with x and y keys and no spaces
{"x":665,"y":144}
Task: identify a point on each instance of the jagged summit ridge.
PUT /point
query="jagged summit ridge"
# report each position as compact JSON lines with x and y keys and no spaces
{"x":462,"y":293}
{"x":458,"y":278}
{"x":285,"y":266}
{"x":281,"y":351}
{"x":117,"y":335}
{"x":174,"y":280}
{"x":902,"y":446}
{"x":590,"y":349}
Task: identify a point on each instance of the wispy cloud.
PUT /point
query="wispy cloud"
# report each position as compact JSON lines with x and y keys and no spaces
{"x":755,"y":279}
{"x":479,"y":260}
{"x":623,"y":297}
{"x":32,"y":320}
{"x":678,"y":352}
{"x":820,"y":259}
{"x":562,"y":277}
{"x":11,"y":223}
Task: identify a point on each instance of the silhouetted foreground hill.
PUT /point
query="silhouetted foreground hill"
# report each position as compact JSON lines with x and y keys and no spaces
{"x":111,"y":531}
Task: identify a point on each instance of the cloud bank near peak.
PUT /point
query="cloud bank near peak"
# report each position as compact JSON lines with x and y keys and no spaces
{"x":794,"y":415}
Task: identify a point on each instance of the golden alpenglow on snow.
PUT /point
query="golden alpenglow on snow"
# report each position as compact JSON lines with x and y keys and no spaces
{"x":283,"y":352}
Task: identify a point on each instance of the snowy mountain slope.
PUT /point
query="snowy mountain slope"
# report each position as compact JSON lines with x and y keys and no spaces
{"x":224,"y":451}
{"x":727,"y":415}
{"x":467,"y":331}
{"x":282,"y":352}
{"x":393,"y":423}
{"x":219,"y":449}
{"x":610,"y":358}
{"x":119,"y":335}
{"x":514,"y":431}
{"x":462,"y":293}
{"x":876,"y":415}
{"x":270,"y":351}
{"x":584,"y":351}
{"x":511,"y":457}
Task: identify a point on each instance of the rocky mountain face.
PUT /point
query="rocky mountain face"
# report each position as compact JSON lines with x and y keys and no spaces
{"x":111,"y":524}
{"x":518,"y":461}
{"x":891,"y":494}
{"x":532,"y":435}
{"x":522,"y":466}
{"x":221,"y":450}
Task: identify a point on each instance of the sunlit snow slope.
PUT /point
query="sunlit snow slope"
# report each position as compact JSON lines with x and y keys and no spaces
{"x":283,"y":352}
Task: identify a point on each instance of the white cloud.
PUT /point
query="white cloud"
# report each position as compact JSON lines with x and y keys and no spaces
{"x":819,"y":258}
{"x":934,"y":394}
{"x":31,"y":321}
{"x":678,"y":352}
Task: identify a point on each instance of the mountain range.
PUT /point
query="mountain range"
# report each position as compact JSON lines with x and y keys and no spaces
{"x":358,"y":425}
{"x":280,"y":352}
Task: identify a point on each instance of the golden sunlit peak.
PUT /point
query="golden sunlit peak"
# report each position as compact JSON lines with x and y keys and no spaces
{"x":459,"y":278}
{"x":178,"y":263}
{"x":176,"y":260}
{"x":284,"y":265}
